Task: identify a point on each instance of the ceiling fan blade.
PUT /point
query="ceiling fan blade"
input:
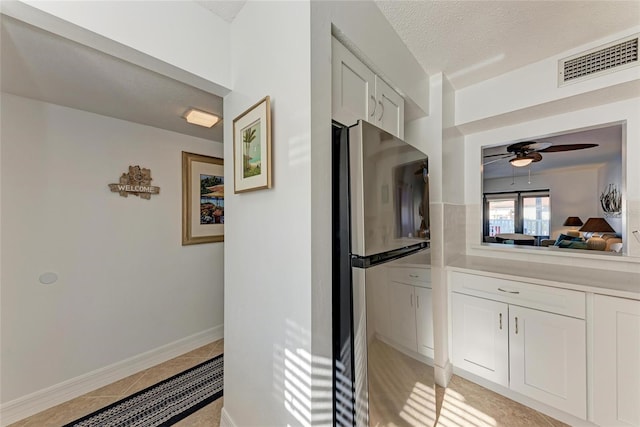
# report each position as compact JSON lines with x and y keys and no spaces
{"x":538,"y":146}
{"x":501,"y":154}
{"x":519,"y":147}
{"x":535,"y":156}
{"x":566,"y":147}
{"x":527,"y":146}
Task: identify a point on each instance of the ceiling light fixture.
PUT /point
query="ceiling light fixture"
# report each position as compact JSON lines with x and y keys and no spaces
{"x":201,"y":118}
{"x":521,"y":161}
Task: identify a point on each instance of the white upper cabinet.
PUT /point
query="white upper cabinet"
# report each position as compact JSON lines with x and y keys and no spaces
{"x":354,"y":84}
{"x":389,"y":111}
{"x":358,"y":94}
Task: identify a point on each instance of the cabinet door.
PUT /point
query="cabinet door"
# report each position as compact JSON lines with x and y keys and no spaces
{"x":353,"y":87}
{"x":424,"y":320}
{"x":389,"y":111}
{"x":480,"y":337}
{"x":548,"y":358}
{"x":616,"y":361}
{"x":402,"y":314}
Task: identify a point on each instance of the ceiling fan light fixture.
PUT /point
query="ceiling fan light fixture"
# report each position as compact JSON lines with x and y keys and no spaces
{"x":201,"y":118}
{"x":520,"y":162}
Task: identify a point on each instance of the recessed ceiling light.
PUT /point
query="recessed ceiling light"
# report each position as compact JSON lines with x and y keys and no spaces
{"x":201,"y":118}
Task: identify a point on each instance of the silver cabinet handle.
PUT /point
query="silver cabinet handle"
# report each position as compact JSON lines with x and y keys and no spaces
{"x":418,"y":301}
{"x":516,"y":326}
{"x":415,"y":276}
{"x":509,"y":292}
{"x":381,"y":112}
{"x":500,"y":321}
{"x":411,"y":300}
{"x":373,"y":109}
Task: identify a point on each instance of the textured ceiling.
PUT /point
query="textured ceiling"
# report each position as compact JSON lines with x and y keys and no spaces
{"x":39,"y":65}
{"x":609,"y":140}
{"x":471,"y":41}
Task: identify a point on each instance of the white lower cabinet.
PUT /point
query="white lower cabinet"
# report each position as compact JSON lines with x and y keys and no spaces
{"x":402,"y":314}
{"x":536,"y":353}
{"x":408,"y":321}
{"x":481,"y":338}
{"x":547,"y":358}
{"x":424,"y":320}
{"x":616,"y":358}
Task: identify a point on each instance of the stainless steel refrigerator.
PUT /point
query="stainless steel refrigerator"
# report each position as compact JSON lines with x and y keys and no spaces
{"x":380,"y":214}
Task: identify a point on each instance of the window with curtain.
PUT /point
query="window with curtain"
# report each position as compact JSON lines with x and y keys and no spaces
{"x":517,"y":212}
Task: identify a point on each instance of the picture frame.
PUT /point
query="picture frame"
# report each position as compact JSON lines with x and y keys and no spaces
{"x":202,"y":199}
{"x":252,"y":148}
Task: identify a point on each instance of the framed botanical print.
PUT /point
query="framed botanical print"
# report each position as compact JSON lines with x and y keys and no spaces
{"x":252,"y":148}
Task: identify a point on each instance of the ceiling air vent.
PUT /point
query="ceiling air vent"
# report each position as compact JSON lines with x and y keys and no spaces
{"x":601,"y":60}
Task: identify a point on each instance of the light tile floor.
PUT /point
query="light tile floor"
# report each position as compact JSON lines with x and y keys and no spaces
{"x":467,"y":404}
{"x":462,"y":404}
{"x":415,"y":403}
{"x":85,"y":404}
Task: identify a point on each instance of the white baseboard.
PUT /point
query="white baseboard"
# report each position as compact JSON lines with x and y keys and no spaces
{"x":443,"y":374}
{"x":428,"y":360}
{"x":225,"y":419}
{"x":56,"y":394}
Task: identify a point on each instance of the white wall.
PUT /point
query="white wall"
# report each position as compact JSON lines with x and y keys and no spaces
{"x":287,"y":290}
{"x":537,"y":84}
{"x":126,"y":285}
{"x":180,"y":39}
{"x":573,"y":191}
{"x":268,"y":245}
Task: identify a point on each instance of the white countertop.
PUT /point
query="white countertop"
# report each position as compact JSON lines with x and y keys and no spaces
{"x":607,"y":282}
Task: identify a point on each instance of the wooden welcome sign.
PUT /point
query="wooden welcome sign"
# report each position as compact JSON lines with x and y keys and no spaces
{"x":136,"y":182}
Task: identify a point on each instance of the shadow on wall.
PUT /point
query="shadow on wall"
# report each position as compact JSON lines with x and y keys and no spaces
{"x":300,"y":378}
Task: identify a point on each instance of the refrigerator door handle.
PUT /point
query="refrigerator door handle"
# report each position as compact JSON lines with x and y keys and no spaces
{"x":381,"y":258}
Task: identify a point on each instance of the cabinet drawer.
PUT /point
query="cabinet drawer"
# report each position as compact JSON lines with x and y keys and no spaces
{"x":546,"y":298}
{"x":411,"y":275}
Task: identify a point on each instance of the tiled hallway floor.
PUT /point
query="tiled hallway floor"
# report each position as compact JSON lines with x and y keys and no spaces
{"x":462,"y":404}
{"x":85,"y":404}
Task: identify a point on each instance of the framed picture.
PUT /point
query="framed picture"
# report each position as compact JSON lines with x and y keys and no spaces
{"x":252,"y":148}
{"x":202,"y":199}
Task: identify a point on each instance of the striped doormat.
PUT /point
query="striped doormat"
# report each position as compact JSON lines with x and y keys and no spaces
{"x":162,"y":404}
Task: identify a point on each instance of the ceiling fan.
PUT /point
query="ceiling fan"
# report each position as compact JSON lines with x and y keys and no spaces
{"x":529,"y":151}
